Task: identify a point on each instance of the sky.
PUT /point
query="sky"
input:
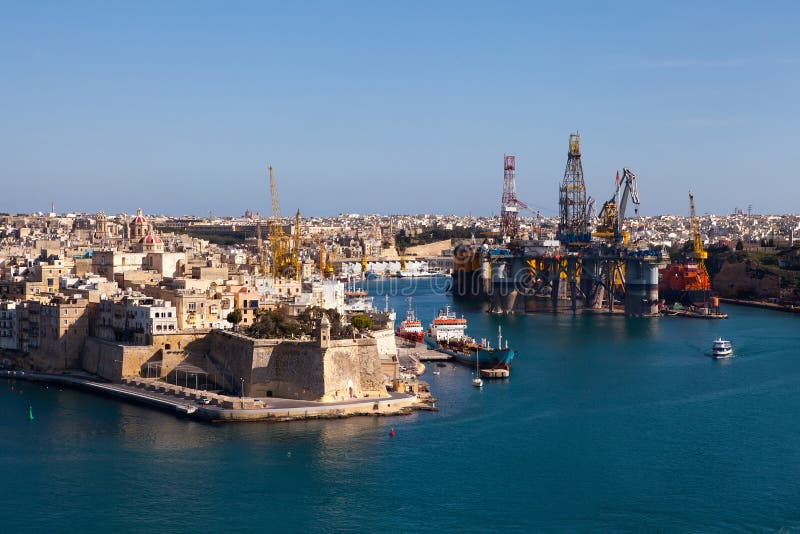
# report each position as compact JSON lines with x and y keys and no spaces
{"x":395,"y":107}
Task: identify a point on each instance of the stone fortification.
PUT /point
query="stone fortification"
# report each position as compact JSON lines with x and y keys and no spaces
{"x":387,"y":351}
{"x":322,"y":370}
{"x":341,"y":370}
{"x":352,"y":369}
{"x":113,"y":361}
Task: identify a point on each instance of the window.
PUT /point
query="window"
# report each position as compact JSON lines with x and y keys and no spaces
{"x":192,"y":306}
{"x":50,"y":282}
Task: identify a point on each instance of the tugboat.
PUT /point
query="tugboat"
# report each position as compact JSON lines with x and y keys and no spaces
{"x":447,"y":334}
{"x":410,"y":328}
{"x":721,"y":348}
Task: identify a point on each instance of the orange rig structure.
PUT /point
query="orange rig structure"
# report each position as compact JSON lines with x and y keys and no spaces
{"x":687,"y":282}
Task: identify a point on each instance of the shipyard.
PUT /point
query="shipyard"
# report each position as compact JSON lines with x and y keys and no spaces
{"x":274,"y":309}
{"x":399,"y":267}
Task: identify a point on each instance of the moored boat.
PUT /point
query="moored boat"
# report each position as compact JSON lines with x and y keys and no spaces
{"x":410,"y":328}
{"x":447,"y":334}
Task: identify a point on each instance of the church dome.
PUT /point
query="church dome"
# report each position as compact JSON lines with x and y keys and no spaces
{"x":139,"y":217}
{"x":151,"y":239}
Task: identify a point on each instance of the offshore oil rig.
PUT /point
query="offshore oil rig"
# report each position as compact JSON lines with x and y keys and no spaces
{"x":589,"y":266}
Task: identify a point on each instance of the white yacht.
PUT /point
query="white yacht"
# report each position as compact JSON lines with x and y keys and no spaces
{"x":721,"y":348}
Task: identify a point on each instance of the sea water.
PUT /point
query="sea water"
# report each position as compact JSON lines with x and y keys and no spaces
{"x":605,"y":423}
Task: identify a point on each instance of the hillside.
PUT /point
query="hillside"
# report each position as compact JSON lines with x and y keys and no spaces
{"x":429,"y":250}
{"x":763,"y":275}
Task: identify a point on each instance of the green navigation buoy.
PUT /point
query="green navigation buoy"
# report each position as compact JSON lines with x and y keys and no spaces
{"x":30,"y":413}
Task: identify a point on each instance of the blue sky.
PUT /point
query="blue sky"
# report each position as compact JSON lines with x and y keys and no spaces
{"x":394,"y":107}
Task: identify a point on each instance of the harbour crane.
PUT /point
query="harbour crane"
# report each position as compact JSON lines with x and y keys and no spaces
{"x":698,"y":252}
{"x":612,"y":214}
{"x":285,"y":249}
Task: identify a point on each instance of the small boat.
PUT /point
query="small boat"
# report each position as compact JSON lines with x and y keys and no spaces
{"x":477,"y":381}
{"x":721,"y":348}
{"x":437,"y":372}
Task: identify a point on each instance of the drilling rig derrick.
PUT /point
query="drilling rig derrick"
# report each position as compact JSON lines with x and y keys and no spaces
{"x":509,"y":208}
{"x":573,"y":225}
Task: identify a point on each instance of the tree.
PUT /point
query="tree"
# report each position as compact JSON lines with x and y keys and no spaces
{"x":271,"y":324}
{"x":309,"y":320}
{"x":361,"y":321}
{"x":235,"y":317}
{"x":739,"y":245}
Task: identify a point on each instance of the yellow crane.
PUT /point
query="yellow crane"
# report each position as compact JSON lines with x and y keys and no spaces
{"x":612,"y":215}
{"x":698,"y":251}
{"x":285,"y":250}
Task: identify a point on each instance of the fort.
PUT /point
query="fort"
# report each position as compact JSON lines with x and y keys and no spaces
{"x":222,"y":375}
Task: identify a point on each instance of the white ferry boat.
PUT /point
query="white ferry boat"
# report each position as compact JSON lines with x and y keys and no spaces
{"x":721,"y":348}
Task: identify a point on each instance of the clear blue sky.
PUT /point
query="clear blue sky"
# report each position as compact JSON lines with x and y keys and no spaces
{"x":395,"y":107}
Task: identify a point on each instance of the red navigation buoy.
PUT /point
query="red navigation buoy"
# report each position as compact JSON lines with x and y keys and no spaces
{"x":391,"y":433}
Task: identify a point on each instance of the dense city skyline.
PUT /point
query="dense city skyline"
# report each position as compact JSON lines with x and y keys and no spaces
{"x":179,"y":108}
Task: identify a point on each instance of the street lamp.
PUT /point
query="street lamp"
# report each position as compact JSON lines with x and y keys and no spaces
{"x":241,"y":390}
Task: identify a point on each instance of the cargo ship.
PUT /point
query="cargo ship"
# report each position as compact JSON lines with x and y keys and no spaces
{"x":447,"y":334}
{"x":410,"y":328}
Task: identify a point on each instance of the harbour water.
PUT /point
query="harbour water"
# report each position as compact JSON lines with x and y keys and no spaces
{"x":605,"y":423}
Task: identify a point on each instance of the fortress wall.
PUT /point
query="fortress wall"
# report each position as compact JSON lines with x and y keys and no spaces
{"x":113,"y":361}
{"x":353,"y":370}
{"x":288,"y":369}
{"x":278,"y":368}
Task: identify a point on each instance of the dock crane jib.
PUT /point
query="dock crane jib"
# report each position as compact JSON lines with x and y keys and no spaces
{"x":629,"y":179}
{"x":612,"y":214}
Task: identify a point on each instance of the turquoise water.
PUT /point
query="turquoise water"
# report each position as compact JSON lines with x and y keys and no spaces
{"x":605,"y":423}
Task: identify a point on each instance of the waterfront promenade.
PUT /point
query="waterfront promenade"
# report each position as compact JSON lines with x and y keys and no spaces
{"x":206,"y":406}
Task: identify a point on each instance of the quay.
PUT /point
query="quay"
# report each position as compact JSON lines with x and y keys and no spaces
{"x":693,"y":314}
{"x":410,"y":356}
{"x":761,"y":304}
{"x":211,"y":407}
{"x":413,"y":356}
{"x":422,"y":353}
